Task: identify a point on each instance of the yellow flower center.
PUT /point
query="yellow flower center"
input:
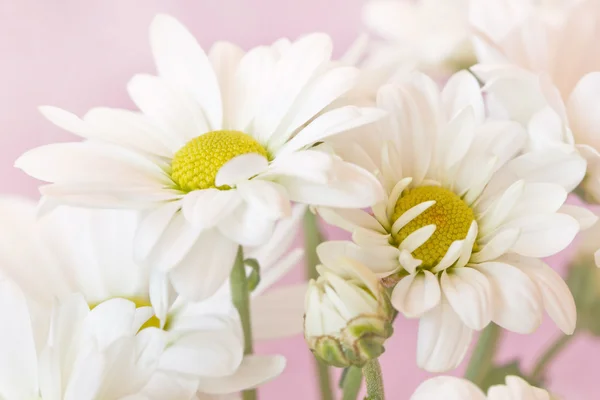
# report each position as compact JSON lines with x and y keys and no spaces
{"x":139,"y":302}
{"x":195,"y":165}
{"x":451,"y":216}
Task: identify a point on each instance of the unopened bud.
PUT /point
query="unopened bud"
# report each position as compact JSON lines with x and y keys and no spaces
{"x":348,"y":314}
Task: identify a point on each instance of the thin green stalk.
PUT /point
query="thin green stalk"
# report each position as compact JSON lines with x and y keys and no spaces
{"x":312,"y":238}
{"x":548,"y":356}
{"x":372,"y":373}
{"x":352,"y":383}
{"x":483,"y":355}
{"x":240,"y":296}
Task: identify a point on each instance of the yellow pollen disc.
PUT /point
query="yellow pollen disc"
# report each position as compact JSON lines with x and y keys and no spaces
{"x":451,"y":216}
{"x":195,"y":165}
{"x":139,"y":302}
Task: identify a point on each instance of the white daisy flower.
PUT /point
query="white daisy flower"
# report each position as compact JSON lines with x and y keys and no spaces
{"x":465,"y":219}
{"x":89,"y":251}
{"x":223,"y":144}
{"x":86,"y":355}
{"x":535,"y":75}
{"x":452,"y":388}
{"x":428,"y":34}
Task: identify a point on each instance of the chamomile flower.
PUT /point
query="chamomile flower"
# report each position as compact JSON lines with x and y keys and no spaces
{"x":90,"y":252}
{"x":534,"y":73}
{"x":223,"y":143}
{"x":452,"y":388}
{"x":465,"y":220}
{"x":86,"y":355}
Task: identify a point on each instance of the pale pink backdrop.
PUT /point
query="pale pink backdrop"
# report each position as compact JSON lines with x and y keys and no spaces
{"x":78,"y":54}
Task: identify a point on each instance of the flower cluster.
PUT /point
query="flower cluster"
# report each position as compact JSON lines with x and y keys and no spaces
{"x":146,"y":269}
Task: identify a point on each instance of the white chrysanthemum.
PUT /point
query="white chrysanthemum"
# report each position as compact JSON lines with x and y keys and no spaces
{"x":223,"y":144}
{"x":465,"y":219}
{"x":430,"y":34}
{"x":535,"y":74}
{"x":86,"y":355}
{"x":452,"y":388}
{"x":89,"y":251}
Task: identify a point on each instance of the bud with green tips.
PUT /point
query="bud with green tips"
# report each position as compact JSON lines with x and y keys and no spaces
{"x":348,"y":314}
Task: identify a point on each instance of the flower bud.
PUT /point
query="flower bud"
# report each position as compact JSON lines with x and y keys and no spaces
{"x":348,"y":314}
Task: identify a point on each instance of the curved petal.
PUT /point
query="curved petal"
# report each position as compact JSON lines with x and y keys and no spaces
{"x":517,"y":302}
{"x":443,"y":339}
{"x":542,"y":235}
{"x":269,"y":198}
{"x":252,"y":372}
{"x":206,"y":266}
{"x":416,"y":294}
{"x":240,"y":169}
{"x":469,"y":293}
{"x":447,"y":388}
{"x":180,"y":59}
{"x":206,"y":208}
{"x":558,"y":300}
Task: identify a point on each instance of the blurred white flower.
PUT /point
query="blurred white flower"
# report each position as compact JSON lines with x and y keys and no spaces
{"x":348,"y":312}
{"x":541,"y":67}
{"x":465,"y":220}
{"x":452,"y":388}
{"x":85,"y":355}
{"x":223,"y":144}
{"x":428,"y":34}
{"x":90,"y":251}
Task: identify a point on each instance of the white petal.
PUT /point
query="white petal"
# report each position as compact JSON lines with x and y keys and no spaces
{"x":543,"y":235}
{"x":499,"y":244}
{"x":169,"y":107}
{"x":279,"y":313}
{"x":247,"y":226}
{"x":206,"y":208}
{"x":240,"y":169}
{"x":65,"y":120}
{"x":329,"y":124}
{"x":558,"y":300}
{"x":131,"y":129}
{"x":349,"y":219}
{"x":205,"y":268}
{"x":252,"y":372}
{"x":383,"y":260}
{"x":297,"y":66}
{"x":584,"y":217}
{"x":468,"y":292}
{"x":18,"y":359}
{"x":411,"y":214}
{"x":443,"y":339}
{"x":180,"y":59}
{"x":462,"y":90}
{"x":453,"y":253}
{"x":320,"y":93}
{"x":268,"y":198}
{"x":91,"y":162}
{"x":213,"y":349}
{"x":416,"y":294}
{"x":517,"y":301}
{"x":152,"y":227}
{"x":447,"y":388}
{"x":350,"y":187}
{"x":408,"y":262}
{"x":417,"y":238}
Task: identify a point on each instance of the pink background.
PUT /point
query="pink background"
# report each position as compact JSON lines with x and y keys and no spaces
{"x":78,"y":54}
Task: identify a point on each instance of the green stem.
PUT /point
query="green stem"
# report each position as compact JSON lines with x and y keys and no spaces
{"x":352,"y":383}
{"x":548,"y":356}
{"x":240,"y":296}
{"x":483,"y":355}
{"x":312,"y":238}
{"x":372,"y":373}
